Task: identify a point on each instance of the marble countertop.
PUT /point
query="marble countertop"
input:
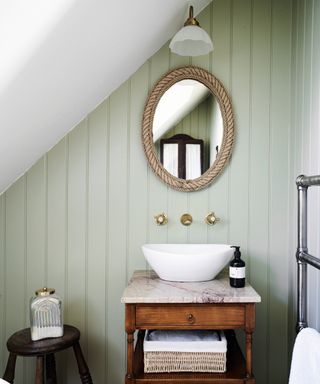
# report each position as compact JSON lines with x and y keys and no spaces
{"x":146,"y":287}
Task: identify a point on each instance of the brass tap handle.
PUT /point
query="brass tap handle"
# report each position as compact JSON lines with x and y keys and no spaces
{"x":211,"y":218}
{"x":161,"y":219}
{"x":186,"y":219}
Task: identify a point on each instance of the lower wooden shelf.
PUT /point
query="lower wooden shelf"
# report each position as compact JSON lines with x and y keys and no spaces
{"x":236,"y":368}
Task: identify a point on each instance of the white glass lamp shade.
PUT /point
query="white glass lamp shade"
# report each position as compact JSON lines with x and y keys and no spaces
{"x":191,"y":40}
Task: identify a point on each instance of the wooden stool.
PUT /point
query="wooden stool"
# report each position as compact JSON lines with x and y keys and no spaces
{"x":20,"y":344}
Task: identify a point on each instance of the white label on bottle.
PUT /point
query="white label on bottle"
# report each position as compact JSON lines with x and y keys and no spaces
{"x":237,"y":273}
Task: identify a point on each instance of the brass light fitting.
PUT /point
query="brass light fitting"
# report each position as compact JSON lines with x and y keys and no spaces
{"x":191,"y":20}
{"x":191,"y":40}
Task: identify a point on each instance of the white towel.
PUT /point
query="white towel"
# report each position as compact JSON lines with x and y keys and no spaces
{"x":305,"y":364}
{"x":189,"y":335}
{"x":184,"y":341}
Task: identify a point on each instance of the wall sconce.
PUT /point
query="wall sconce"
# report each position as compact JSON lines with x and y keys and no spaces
{"x":191,"y":40}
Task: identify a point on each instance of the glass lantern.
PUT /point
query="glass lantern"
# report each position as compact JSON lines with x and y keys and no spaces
{"x":45,"y":314}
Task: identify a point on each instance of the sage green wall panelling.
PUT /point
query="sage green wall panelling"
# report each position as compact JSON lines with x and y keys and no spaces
{"x":57,"y":236}
{"x":57,"y":174}
{"x":220,"y":66}
{"x":36,"y":238}
{"x":278,"y":187}
{"x":118,"y":229}
{"x":77,"y":256}
{"x":139,"y":214}
{"x":240,"y":90}
{"x":36,"y":227}
{"x":81,"y":213}
{"x":98,"y":138}
{"x":16,"y":297}
{"x":292,"y":187}
{"x":258,"y":241}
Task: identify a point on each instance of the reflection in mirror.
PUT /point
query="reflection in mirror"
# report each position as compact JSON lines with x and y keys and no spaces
{"x":182,"y":156}
{"x":187,"y":129}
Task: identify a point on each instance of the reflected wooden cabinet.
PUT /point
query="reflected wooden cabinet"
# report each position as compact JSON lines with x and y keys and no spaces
{"x":182,"y":156}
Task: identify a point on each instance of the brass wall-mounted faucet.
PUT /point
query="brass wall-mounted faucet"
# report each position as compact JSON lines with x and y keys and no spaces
{"x":186,"y":219}
{"x":211,"y":219}
{"x":161,"y":219}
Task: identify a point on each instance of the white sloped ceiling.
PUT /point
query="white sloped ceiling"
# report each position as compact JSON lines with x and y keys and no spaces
{"x":59,"y":59}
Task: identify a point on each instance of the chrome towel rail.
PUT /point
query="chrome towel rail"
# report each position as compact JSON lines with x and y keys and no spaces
{"x":302,"y":255}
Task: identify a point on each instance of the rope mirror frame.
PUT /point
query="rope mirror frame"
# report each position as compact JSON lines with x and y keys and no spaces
{"x":218,"y":90}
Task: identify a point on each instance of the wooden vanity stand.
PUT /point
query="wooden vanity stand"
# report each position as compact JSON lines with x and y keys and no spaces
{"x":152,"y":303}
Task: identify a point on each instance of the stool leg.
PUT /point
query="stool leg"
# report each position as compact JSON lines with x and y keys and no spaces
{"x":40,"y":370}
{"x":51,"y":377}
{"x":82,"y":365}
{"x":11,"y":365}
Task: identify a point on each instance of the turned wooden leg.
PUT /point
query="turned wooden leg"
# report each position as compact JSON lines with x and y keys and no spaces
{"x":249,"y":354}
{"x":82,"y":365}
{"x":249,"y":328}
{"x":10,"y":368}
{"x":51,"y":376}
{"x":130,"y":319}
{"x":40,"y":370}
{"x":130,"y":341}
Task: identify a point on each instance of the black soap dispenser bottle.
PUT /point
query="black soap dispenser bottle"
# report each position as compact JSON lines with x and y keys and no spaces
{"x":237,"y":269}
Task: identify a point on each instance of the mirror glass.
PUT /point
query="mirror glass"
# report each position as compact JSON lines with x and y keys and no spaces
{"x":187,"y":129}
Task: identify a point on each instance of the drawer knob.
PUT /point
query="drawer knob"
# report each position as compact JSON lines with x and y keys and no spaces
{"x":191,"y":318}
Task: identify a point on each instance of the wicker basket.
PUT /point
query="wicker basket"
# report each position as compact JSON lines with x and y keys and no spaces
{"x":202,"y":356}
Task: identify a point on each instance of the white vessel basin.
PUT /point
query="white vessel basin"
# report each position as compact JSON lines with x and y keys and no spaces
{"x":187,"y":262}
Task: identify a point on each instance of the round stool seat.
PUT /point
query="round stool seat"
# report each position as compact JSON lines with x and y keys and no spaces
{"x":20,"y":343}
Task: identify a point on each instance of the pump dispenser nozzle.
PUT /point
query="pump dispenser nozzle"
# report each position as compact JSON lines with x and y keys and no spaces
{"x":237,"y":252}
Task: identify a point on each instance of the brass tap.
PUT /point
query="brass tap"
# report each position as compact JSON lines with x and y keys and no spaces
{"x":161,"y":219}
{"x":186,"y":219}
{"x":211,"y":219}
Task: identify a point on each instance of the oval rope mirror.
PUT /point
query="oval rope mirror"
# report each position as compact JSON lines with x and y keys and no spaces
{"x":219,"y":154}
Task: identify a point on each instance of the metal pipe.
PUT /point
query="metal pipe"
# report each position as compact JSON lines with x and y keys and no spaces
{"x":302,"y":297}
{"x":309,"y":259}
{"x":302,"y":265}
{"x":302,"y":220}
{"x":302,"y":255}
{"x":307,"y":181}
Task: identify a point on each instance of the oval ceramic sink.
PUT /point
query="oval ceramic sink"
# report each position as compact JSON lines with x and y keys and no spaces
{"x":187,"y":262}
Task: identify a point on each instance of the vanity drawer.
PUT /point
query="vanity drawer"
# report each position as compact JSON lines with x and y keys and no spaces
{"x":185,"y":315}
